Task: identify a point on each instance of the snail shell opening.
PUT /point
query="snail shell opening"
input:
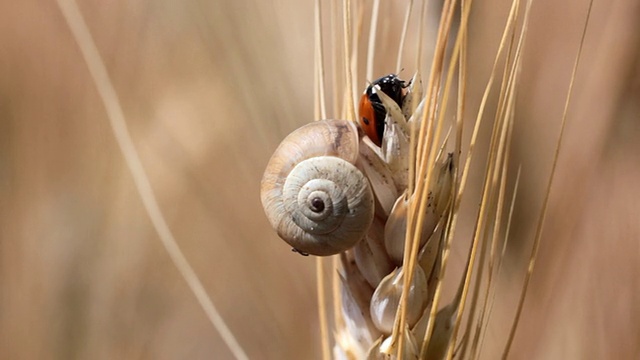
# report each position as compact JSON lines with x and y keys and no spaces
{"x":312,"y":193}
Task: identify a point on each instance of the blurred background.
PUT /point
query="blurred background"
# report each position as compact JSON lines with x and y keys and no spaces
{"x":209,"y":88}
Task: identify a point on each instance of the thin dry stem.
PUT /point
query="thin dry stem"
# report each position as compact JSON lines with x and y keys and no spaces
{"x":322,"y":309}
{"x":545,"y":203}
{"x":403,"y":36}
{"x":355,"y":55}
{"x":503,"y":251}
{"x":335,"y":59}
{"x":372,"y":39}
{"x":346,"y":26}
{"x":511,"y":84}
{"x":462,"y":89}
{"x":494,"y":240}
{"x":413,"y":231}
{"x":109,"y":97}
{"x":335,"y":289}
{"x":496,"y":154}
{"x":506,"y":103}
{"x":320,"y":102}
{"x":320,"y":113}
{"x":463,"y":181}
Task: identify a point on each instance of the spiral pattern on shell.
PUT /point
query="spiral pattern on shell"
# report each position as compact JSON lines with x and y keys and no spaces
{"x":313,"y":194}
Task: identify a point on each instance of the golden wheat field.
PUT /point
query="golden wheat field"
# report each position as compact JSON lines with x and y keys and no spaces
{"x":208,"y":90}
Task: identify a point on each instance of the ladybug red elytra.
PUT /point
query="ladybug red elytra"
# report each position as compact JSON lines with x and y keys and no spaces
{"x":372,"y":111}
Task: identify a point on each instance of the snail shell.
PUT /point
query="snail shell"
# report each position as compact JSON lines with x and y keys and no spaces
{"x":313,"y":194}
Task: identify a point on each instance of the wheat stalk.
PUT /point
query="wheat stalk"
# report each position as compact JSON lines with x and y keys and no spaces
{"x":443,"y":324}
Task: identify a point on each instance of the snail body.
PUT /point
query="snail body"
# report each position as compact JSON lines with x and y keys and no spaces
{"x":314,"y":196}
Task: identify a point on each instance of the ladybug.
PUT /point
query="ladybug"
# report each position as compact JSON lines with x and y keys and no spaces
{"x":372,"y":111}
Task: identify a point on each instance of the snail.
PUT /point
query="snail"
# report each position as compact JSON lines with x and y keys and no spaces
{"x":313,"y":194}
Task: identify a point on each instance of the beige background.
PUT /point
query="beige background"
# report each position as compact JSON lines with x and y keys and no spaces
{"x":209,"y":88}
